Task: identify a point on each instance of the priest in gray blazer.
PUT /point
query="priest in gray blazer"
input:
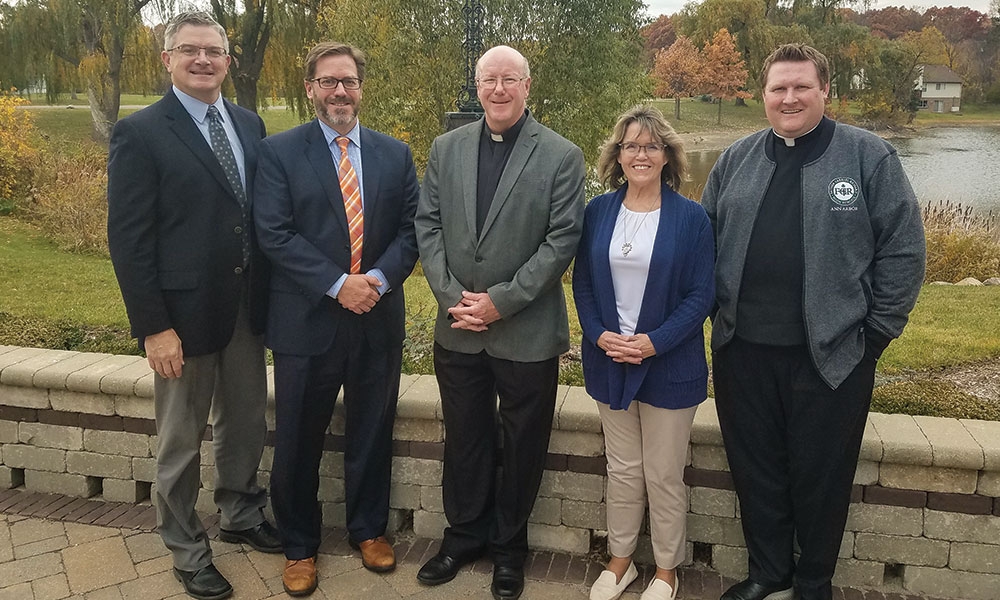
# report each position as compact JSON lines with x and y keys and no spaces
{"x":499,"y":218}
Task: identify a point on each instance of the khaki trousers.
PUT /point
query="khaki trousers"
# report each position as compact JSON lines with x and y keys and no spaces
{"x":646,"y":448}
{"x":229,"y":386}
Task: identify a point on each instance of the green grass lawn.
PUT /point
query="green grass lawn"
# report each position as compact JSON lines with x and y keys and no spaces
{"x":949,"y":326}
{"x":702,"y":117}
{"x":73,"y":125}
{"x":40,"y":281}
{"x":971,"y":114}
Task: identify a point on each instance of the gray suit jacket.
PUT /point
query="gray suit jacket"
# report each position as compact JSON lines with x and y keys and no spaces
{"x":528,"y":240}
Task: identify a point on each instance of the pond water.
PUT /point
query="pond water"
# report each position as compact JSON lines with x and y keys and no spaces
{"x":953,"y":164}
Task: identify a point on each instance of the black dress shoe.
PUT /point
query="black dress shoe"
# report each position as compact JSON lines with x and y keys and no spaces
{"x":441,"y":568}
{"x":749,"y":589}
{"x":508,"y":582}
{"x":205,"y":583}
{"x":263,"y":537}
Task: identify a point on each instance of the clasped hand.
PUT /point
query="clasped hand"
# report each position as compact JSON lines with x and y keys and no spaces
{"x":474,"y":312}
{"x":629,"y":349}
{"x":359,"y":294}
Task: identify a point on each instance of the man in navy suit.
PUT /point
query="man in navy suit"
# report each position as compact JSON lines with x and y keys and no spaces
{"x":335,"y":217}
{"x":180,"y":186}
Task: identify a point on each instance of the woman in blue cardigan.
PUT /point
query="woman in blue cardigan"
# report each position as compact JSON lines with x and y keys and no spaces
{"x":643,"y":285}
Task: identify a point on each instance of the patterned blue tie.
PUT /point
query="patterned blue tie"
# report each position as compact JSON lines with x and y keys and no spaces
{"x":224,"y":153}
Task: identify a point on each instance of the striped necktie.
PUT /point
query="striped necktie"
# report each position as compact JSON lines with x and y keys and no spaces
{"x":352,"y":203}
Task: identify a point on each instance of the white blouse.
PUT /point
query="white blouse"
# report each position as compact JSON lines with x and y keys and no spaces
{"x":630,"y":254}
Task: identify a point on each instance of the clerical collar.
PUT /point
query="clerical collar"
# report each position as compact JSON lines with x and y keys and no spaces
{"x":792,"y":141}
{"x":508,"y":136}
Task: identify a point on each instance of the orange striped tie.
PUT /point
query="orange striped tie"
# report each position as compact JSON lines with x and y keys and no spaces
{"x":352,"y":203}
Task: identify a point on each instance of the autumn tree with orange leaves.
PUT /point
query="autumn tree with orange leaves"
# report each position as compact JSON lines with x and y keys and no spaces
{"x":678,"y":72}
{"x":725,"y":71}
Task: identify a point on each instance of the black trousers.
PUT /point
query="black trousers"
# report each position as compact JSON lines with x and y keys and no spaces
{"x":306,"y":388}
{"x":793,"y":446}
{"x":484,"y":510}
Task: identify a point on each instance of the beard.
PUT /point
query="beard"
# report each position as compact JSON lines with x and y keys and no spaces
{"x":337,"y":114}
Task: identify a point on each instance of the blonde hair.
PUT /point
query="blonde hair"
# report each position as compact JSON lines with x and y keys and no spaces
{"x":650,"y":120}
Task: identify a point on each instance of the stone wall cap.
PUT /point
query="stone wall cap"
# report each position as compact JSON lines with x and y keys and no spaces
{"x":578,"y":412}
{"x":894,"y":439}
{"x":420,"y":399}
{"x":88,"y":379}
{"x":951,"y":443}
{"x":705,"y":429}
{"x":871,"y":443}
{"x":18,"y":367}
{"x":987,"y":435}
{"x":54,"y":376}
{"x":416,"y":398}
{"x":902,"y":440}
{"x":123,"y":381}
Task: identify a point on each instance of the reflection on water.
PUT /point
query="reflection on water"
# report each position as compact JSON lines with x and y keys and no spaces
{"x":956,"y":164}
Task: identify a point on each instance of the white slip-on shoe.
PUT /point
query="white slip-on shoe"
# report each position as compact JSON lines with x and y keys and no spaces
{"x":607,"y":586}
{"x":659,"y":590}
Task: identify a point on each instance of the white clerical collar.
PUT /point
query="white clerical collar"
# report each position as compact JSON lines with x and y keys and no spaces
{"x":791,"y":141}
{"x":496,"y":137}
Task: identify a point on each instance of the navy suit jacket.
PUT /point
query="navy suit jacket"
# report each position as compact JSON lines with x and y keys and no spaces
{"x":175,"y":227}
{"x":677,"y":299}
{"x":302,"y":228}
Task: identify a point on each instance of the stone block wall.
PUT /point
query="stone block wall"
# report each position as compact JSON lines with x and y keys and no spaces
{"x":925,"y":516}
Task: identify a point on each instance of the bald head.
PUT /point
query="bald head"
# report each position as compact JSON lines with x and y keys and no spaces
{"x":502,"y":82}
{"x":504,"y":53}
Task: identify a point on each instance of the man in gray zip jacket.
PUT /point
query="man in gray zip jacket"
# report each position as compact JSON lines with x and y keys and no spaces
{"x":820,"y":257}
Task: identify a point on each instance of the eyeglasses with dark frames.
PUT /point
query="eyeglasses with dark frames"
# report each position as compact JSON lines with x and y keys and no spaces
{"x":330,"y":83}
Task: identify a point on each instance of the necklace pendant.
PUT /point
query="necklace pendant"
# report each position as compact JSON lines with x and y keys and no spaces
{"x":626,"y":248}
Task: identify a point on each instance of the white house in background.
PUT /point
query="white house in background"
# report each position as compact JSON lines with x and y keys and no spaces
{"x":940,"y":89}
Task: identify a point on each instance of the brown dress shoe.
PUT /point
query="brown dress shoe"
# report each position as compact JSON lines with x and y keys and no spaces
{"x":299,"y":578}
{"x":377,"y":555}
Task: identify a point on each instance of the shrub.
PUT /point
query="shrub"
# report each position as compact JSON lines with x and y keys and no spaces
{"x":16,"y":154}
{"x":64,"y":335}
{"x":69,"y":198}
{"x":960,"y":243}
{"x":418,"y":347}
{"x":933,"y":398}
{"x":840,"y":111}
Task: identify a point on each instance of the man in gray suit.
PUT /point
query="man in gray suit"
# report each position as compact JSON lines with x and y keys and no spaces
{"x":499,"y":218}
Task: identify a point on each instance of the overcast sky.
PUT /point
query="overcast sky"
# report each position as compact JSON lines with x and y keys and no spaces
{"x":669,"y":7}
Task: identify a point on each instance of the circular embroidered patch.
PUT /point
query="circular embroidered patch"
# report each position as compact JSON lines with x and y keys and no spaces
{"x":844,"y":191}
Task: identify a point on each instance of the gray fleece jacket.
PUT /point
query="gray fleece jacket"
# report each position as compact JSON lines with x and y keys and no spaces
{"x":862,"y":242}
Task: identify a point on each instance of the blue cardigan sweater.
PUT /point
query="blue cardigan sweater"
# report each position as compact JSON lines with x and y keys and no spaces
{"x":678,"y":297}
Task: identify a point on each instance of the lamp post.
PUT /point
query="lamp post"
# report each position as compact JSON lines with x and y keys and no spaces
{"x":469,"y":108}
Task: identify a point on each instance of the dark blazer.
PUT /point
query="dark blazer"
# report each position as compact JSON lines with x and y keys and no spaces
{"x":175,"y":227}
{"x":678,"y":296}
{"x":302,"y":228}
{"x":526,"y":244}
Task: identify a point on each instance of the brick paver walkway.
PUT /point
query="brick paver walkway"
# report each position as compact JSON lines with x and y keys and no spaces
{"x":54,"y":547}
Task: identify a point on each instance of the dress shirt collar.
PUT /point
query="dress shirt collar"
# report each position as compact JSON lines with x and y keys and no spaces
{"x":331,"y":134}
{"x":198,"y":109}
